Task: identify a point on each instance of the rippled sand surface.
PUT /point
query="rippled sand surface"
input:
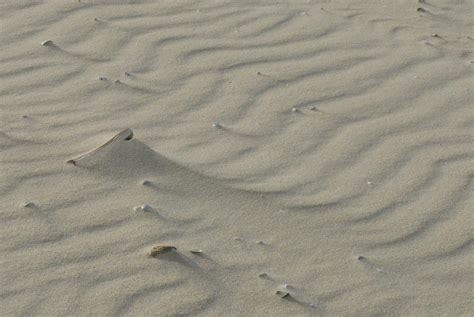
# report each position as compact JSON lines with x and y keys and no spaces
{"x":319,"y":148}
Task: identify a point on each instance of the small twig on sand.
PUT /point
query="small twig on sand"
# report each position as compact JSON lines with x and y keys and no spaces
{"x":125,"y":135}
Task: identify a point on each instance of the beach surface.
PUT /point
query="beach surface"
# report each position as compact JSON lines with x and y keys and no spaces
{"x":316,"y":156}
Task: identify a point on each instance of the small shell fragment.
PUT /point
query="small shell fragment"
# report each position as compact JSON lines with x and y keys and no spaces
{"x":146,"y":182}
{"x":294,"y":109}
{"x":361,"y":258}
{"x":263,"y":275}
{"x":237,"y":238}
{"x":216,"y":125}
{"x":47,"y":43}
{"x":420,"y":10}
{"x":259,"y":242}
{"x":313,"y":108}
{"x":161,"y":249}
{"x":282,"y":294}
{"x":435,"y":35}
{"x":28,"y":204}
{"x":196,"y":251}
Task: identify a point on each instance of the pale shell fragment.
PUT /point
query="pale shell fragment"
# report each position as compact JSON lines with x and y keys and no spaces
{"x":46,"y":43}
{"x":28,"y":204}
{"x":282,"y":294}
{"x":196,"y":251}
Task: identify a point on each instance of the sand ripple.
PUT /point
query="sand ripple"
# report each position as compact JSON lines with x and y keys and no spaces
{"x":376,"y":159}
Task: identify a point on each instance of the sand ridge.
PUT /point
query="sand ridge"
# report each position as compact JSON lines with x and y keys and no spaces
{"x":340,"y":169}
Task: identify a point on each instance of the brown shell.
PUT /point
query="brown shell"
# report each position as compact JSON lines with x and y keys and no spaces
{"x":161,"y":249}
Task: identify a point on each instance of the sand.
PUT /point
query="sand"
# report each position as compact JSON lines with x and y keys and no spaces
{"x":319,"y":154}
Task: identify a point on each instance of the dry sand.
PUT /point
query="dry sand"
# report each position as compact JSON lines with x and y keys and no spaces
{"x":341,"y":162}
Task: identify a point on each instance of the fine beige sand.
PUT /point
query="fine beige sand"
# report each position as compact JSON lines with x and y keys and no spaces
{"x":323,"y":149}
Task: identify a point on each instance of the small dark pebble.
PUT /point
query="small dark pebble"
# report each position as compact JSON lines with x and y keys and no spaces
{"x":420,"y":10}
{"x":361,"y":258}
{"x":259,"y":73}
